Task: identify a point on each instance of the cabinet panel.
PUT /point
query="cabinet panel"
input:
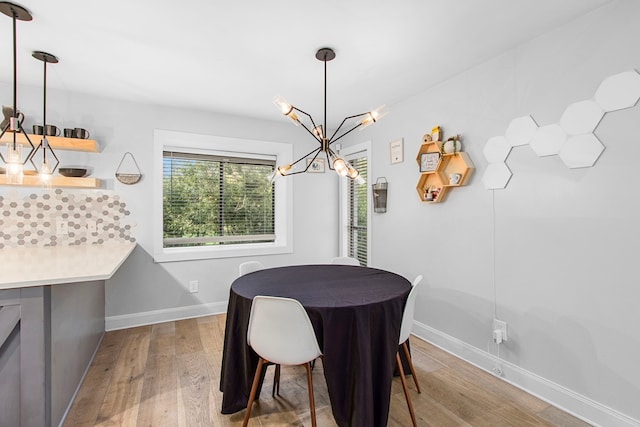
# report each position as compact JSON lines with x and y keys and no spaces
{"x":9,"y":366}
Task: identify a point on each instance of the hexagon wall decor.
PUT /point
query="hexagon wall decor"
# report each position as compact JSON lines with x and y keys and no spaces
{"x":581,"y":151}
{"x":619,"y":91}
{"x":520,"y":131}
{"x":497,"y":149}
{"x":548,"y":140}
{"x":581,"y":117}
{"x":496,"y":176}
{"x":572,"y":138}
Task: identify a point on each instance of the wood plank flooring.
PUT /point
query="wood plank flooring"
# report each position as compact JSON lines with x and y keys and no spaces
{"x":168,"y":375}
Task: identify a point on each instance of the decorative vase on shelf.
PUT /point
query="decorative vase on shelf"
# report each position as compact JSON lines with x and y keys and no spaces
{"x":452,"y":146}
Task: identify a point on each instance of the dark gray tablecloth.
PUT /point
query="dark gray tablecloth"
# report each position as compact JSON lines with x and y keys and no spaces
{"x":356,"y":314}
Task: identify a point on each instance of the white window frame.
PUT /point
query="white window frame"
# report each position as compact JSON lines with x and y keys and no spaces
{"x":365,"y":148}
{"x":165,"y":140}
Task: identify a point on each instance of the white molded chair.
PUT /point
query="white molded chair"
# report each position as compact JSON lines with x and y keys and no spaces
{"x":345,"y":260}
{"x":250,"y":267}
{"x":280,"y":332}
{"x":405,"y":331}
{"x":246,"y":268}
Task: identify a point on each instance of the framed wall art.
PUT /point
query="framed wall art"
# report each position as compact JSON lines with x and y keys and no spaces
{"x":315,"y":165}
{"x":396,"y":151}
{"x":429,"y":162}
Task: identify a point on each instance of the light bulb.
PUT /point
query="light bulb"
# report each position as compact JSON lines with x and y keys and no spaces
{"x":340,"y":166}
{"x":374,"y":116}
{"x":45,"y":170}
{"x":282,"y":170}
{"x":286,"y":108}
{"x":317,"y":131}
{"x":14,"y":164}
{"x":352,"y":172}
{"x":359,"y":180}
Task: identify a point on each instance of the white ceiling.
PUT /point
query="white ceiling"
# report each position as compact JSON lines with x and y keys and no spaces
{"x":234,"y":56}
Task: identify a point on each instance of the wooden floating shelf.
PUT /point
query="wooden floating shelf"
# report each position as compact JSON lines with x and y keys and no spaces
{"x":56,"y":142}
{"x":56,"y":181}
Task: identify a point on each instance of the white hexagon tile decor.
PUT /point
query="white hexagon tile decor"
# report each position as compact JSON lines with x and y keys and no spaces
{"x":581,"y":117}
{"x":572,"y":139}
{"x":548,"y":140}
{"x":619,"y":91}
{"x":520,"y":131}
{"x":496,"y":176}
{"x":581,"y":151}
{"x":497,"y":149}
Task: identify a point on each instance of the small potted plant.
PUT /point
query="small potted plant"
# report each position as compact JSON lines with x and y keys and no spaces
{"x":452,"y":145}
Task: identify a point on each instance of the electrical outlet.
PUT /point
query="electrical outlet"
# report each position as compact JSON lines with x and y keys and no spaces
{"x":62,"y":228}
{"x":497,"y":370}
{"x":193,"y":286}
{"x":500,"y":325}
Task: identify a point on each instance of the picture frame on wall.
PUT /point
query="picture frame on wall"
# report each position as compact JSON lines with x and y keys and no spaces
{"x":396,"y":151}
{"x":315,"y":165}
{"x":429,"y":162}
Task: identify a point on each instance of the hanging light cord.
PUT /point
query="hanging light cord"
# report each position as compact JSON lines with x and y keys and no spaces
{"x":45,"y":143}
{"x":15,"y":75}
{"x":324,"y":131}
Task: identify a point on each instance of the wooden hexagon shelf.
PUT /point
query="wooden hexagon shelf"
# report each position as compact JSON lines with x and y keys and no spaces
{"x":435,"y":176}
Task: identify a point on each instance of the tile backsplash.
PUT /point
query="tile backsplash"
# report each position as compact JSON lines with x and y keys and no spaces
{"x":57,"y":217}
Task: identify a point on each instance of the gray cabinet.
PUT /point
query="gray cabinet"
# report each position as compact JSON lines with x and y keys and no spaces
{"x":48,"y":336}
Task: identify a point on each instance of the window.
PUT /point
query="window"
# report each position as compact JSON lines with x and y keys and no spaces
{"x":357,"y":224}
{"x":355,"y":207}
{"x":216,"y":200}
{"x":214,"y":197}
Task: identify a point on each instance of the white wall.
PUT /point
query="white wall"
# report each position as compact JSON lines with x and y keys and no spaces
{"x":566,"y":240}
{"x":144,"y":291}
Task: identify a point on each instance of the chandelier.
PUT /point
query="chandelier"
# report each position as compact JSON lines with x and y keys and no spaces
{"x":318,"y":131}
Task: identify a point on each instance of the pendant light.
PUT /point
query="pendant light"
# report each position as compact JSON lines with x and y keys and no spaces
{"x":13,"y":156}
{"x":336,"y":163}
{"x":46,"y":168}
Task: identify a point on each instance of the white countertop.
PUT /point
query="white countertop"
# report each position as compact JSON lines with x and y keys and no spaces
{"x":51,"y":265}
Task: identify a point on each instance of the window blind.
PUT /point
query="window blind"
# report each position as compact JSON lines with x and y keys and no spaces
{"x":357,"y":205}
{"x":216,"y":200}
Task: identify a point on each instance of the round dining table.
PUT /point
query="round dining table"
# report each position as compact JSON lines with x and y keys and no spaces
{"x":356,"y":314}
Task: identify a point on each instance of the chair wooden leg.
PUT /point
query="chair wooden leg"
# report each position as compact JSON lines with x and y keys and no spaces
{"x":254,"y":389}
{"x":413,"y":371}
{"x":406,"y":391}
{"x":276,"y":382}
{"x":312,"y":404}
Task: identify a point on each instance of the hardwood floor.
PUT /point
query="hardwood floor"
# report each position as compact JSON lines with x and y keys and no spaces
{"x":168,"y":375}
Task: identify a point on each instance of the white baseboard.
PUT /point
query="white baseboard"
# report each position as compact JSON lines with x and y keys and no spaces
{"x":124,"y":321}
{"x":569,"y":401}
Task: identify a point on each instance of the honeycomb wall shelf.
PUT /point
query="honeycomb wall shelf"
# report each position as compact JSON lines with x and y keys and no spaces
{"x":436,"y":179}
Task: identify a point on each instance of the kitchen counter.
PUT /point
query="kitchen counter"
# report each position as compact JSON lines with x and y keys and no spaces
{"x":52,"y":308}
{"x":51,"y":265}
